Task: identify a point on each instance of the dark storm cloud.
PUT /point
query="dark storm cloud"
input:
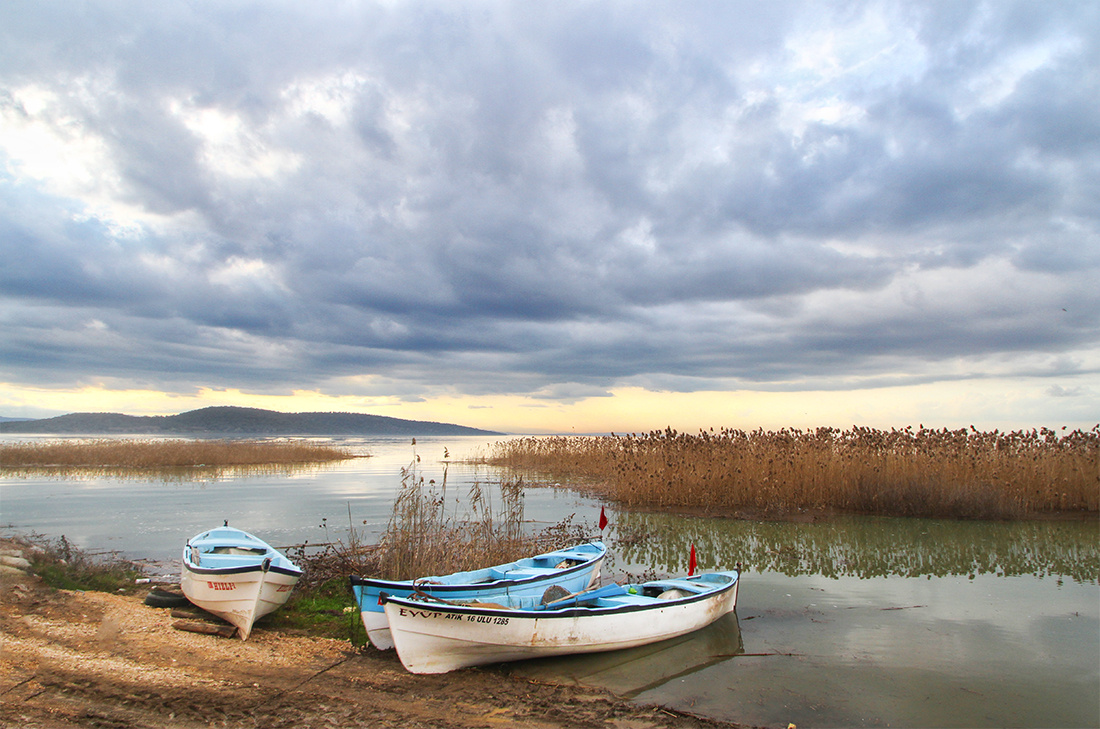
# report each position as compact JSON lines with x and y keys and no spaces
{"x":546,"y":199}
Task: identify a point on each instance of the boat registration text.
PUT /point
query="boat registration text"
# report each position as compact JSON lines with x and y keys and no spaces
{"x":429,"y":615}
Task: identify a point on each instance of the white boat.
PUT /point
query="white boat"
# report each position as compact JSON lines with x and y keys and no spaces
{"x":436,"y":637}
{"x":236,"y":576}
{"x":573,"y":569}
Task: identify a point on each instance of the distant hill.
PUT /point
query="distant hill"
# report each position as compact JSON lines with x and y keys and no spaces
{"x":236,"y":421}
{"x":12,"y":420}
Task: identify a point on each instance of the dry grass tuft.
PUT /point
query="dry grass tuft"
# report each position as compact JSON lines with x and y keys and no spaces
{"x":922,"y":473}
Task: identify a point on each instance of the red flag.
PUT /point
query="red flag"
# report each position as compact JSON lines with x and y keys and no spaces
{"x":691,"y":561}
{"x":603,"y":519}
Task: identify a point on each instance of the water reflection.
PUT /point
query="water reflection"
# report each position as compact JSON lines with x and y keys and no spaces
{"x":164,"y":474}
{"x":865,"y":547}
{"x":631,"y":671}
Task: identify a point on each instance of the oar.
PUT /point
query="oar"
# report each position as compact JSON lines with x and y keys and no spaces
{"x":591,"y":593}
{"x":476,"y":603}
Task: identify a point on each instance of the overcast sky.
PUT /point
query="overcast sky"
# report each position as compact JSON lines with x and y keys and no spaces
{"x":554,"y":216}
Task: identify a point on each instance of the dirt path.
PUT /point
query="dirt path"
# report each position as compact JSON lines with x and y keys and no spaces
{"x":95,"y":659}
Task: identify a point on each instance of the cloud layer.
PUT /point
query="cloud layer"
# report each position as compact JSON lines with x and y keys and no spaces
{"x":553,"y":200}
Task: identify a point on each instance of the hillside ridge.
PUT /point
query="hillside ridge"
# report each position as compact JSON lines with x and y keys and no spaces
{"x":233,"y":420}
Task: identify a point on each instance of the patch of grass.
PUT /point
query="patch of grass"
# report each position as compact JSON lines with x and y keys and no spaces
{"x":64,"y":566}
{"x":326,"y":609}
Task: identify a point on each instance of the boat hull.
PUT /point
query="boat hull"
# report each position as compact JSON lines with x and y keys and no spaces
{"x":240,"y":598}
{"x":529,"y":577}
{"x":236,"y":576}
{"x":436,"y":638}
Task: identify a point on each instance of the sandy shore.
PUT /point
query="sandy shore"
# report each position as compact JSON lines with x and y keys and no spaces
{"x":96,"y":659}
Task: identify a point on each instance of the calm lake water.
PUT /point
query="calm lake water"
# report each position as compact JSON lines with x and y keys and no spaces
{"x":846,"y":623}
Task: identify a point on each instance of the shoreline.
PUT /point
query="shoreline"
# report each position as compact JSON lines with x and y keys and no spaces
{"x":75,"y":658}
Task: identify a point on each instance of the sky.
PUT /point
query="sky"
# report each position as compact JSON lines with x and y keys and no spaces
{"x":574,"y":217}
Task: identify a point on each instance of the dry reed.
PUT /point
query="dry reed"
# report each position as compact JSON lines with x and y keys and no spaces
{"x":159,"y":454}
{"x":430,"y":533}
{"x":924,"y":472}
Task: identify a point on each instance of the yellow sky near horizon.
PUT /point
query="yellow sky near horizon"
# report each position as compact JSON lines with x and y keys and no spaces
{"x":986,"y":404}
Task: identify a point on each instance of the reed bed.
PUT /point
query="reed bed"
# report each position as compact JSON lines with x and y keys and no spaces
{"x":140,"y":454}
{"x":962,"y":473}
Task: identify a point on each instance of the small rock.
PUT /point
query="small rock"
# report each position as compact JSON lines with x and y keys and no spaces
{"x":17,"y":562}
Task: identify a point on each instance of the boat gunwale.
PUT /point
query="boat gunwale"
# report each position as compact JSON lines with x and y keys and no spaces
{"x":570,"y":612}
{"x":228,"y":538}
{"x":495,"y":585}
{"x":242,"y":569}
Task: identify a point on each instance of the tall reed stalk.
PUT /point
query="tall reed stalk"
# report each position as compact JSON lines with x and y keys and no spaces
{"x":907,"y":472}
{"x":428,"y":534}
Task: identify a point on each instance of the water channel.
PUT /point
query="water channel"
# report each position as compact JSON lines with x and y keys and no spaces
{"x":842,"y":623}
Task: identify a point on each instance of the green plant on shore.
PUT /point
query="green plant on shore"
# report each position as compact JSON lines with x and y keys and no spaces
{"x":62,"y":565}
{"x":324,"y":609}
{"x":921,"y":473}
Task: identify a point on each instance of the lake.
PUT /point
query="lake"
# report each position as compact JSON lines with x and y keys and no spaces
{"x":843,"y":623}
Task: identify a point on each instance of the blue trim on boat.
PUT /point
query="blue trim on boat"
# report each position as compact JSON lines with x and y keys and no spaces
{"x":295,"y":572}
{"x":256,"y":553}
{"x":626,"y":606}
{"x":436,"y":587}
{"x":585,"y":554}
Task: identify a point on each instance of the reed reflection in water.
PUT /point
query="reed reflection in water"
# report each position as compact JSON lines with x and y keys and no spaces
{"x":864,"y":547}
{"x":165,"y":474}
{"x":870,"y":621}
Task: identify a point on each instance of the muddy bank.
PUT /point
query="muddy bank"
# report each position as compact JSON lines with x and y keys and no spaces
{"x":96,"y":659}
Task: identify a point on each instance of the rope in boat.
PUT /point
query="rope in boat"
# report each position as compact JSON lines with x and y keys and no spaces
{"x":428,"y":597}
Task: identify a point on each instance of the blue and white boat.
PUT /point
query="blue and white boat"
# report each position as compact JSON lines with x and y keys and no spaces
{"x":572,"y":569}
{"x":436,"y":637}
{"x":236,"y":576}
